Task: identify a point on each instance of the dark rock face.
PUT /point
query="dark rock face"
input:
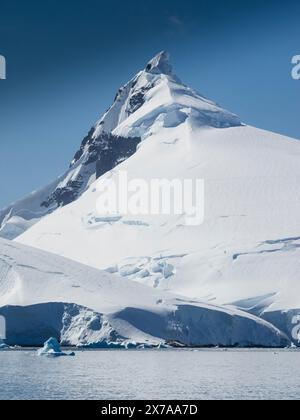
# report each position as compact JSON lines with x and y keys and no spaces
{"x":112,"y":151}
{"x":87,"y":140}
{"x":138,"y":98}
{"x":64,"y":196}
{"x":136,"y":101}
{"x":105,"y":152}
{"x":100,"y":153}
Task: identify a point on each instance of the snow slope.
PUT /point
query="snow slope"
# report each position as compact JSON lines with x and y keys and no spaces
{"x":44,"y":295}
{"x":101,"y":150}
{"x":153,"y":98}
{"x":246,"y":253}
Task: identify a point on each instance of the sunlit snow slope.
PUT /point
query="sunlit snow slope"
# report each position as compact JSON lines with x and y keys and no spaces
{"x":43,"y":295}
{"x":246,"y":252}
{"x":153,"y":98}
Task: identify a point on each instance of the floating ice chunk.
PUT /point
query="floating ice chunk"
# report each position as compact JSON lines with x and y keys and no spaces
{"x":3,"y":345}
{"x":146,"y":346}
{"x":129,"y":345}
{"x":52,"y":348}
{"x":162,"y":346}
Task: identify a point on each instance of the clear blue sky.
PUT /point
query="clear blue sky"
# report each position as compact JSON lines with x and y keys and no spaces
{"x":67,"y":58}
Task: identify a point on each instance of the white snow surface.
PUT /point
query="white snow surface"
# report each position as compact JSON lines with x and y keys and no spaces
{"x":245,"y":254}
{"x":42,"y":293}
{"x":3,"y":346}
{"x":248,"y":245}
{"x":165,"y":101}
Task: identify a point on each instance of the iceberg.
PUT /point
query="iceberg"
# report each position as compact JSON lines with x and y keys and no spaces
{"x":52,"y":348}
{"x":3,"y":345}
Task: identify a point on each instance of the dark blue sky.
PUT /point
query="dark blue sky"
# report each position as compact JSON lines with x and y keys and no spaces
{"x":67,"y":58}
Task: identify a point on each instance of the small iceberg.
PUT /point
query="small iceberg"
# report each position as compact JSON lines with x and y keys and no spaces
{"x":52,"y":348}
{"x":3,"y":346}
{"x":162,"y":346}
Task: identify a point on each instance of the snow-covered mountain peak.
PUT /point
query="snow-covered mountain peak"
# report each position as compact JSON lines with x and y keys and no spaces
{"x":156,"y":91}
{"x":245,"y":254}
{"x":152,"y":102}
{"x":156,"y":98}
{"x":158,"y":74}
{"x":160,"y":64}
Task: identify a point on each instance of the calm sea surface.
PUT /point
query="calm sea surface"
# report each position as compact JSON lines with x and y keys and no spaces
{"x":152,"y":374}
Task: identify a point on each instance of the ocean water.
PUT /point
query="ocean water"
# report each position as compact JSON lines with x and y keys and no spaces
{"x":152,"y":374}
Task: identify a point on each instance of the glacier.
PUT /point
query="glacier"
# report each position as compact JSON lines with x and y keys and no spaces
{"x":244,"y":258}
{"x":44,"y":295}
